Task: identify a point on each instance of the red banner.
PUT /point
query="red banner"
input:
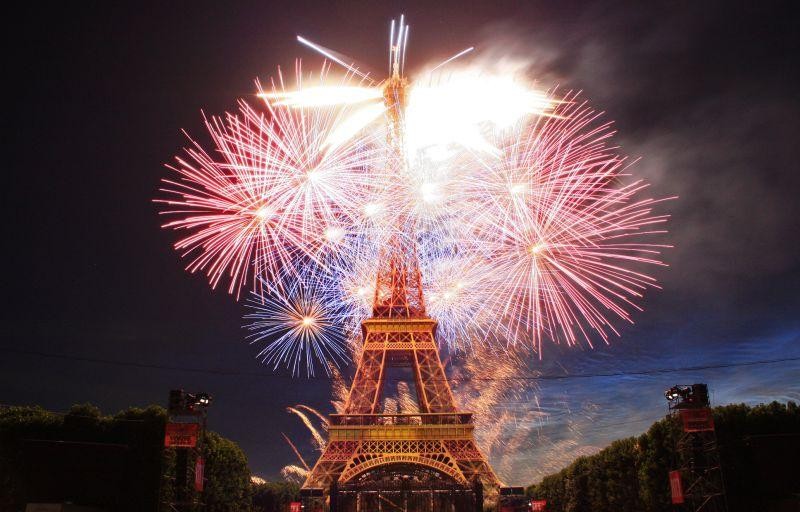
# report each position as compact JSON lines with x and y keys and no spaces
{"x":181,"y":435}
{"x":676,"y":487}
{"x":199,"y":468}
{"x":538,"y":505}
{"x":295,"y":506}
{"x":697,"y":420}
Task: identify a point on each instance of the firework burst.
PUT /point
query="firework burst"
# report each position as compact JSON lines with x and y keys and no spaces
{"x":298,"y":327}
{"x":286,"y":184}
{"x":566,"y":239}
{"x":526,"y":222}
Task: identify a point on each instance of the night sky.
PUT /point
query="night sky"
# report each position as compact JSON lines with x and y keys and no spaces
{"x":706,"y":93}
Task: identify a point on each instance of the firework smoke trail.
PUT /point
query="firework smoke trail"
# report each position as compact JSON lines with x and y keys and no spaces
{"x":502,"y":427}
{"x":296,"y":451}
{"x":319,"y":439}
{"x":527,"y":225}
{"x":390,"y":406}
{"x":322,"y":418}
{"x":523,"y":438}
{"x":406,"y":402}
{"x":340,"y":391}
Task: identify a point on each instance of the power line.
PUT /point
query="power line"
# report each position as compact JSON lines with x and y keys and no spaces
{"x":650,"y":372}
{"x":543,"y":377}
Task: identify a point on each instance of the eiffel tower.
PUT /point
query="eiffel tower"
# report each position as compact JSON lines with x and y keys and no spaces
{"x":425,"y":461}
{"x":428,"y":460}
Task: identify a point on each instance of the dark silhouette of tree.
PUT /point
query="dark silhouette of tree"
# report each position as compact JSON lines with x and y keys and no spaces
{"x":759,"y":448}
{"x":117,"y":462}
{"x":274,"y":496}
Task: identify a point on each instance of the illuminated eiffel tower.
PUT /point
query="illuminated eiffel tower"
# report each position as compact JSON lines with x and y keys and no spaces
{"x":372,"y":460}
{"x":425,"y":461}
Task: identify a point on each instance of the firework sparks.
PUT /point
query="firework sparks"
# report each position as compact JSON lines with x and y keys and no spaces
{"x":319,"y":439}
{"x":508,"y":418}
{"x":568,"y":240}
{"x":527,"y":225}
{"x":456,"y":294}
{"x":287,"y":181}
{"x":296,"y":451}
{"x":298,"y":328}
{"x":294,"y":474}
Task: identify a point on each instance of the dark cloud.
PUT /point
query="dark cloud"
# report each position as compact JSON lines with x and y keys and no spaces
{"x":705,"y":116}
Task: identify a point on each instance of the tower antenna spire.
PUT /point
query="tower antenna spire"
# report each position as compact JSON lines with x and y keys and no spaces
{"x":397,"y":47}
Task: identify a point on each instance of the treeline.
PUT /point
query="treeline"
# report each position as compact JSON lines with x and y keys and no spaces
{"x":759,"y":451}
{"x":118,"y":463}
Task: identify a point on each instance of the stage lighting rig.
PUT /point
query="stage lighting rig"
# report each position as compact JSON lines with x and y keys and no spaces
{"x":183,"y":403}
{"x":694,"y":396}
{"x":696,"y":483}
{"x":184,"y":433}
{"x":201,"y":399}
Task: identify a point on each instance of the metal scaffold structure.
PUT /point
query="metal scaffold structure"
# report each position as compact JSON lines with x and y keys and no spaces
{"x":184,"y":433}
{"x":697,"y":484}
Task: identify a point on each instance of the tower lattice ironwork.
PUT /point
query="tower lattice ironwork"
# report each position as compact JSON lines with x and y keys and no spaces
{"x":434,"y":450}
{"x":439,"y":436}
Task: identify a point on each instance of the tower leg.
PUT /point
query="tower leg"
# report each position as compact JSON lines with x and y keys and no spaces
{"x":334,"y":498}
{"x":478,"y":492}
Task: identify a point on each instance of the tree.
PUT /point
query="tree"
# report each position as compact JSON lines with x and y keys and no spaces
{"x":116,"y":462}
{"x":15,"y":424}
{"x":759,"y":447}
{"x":274,"y":496}
{"x":227,"y":486}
